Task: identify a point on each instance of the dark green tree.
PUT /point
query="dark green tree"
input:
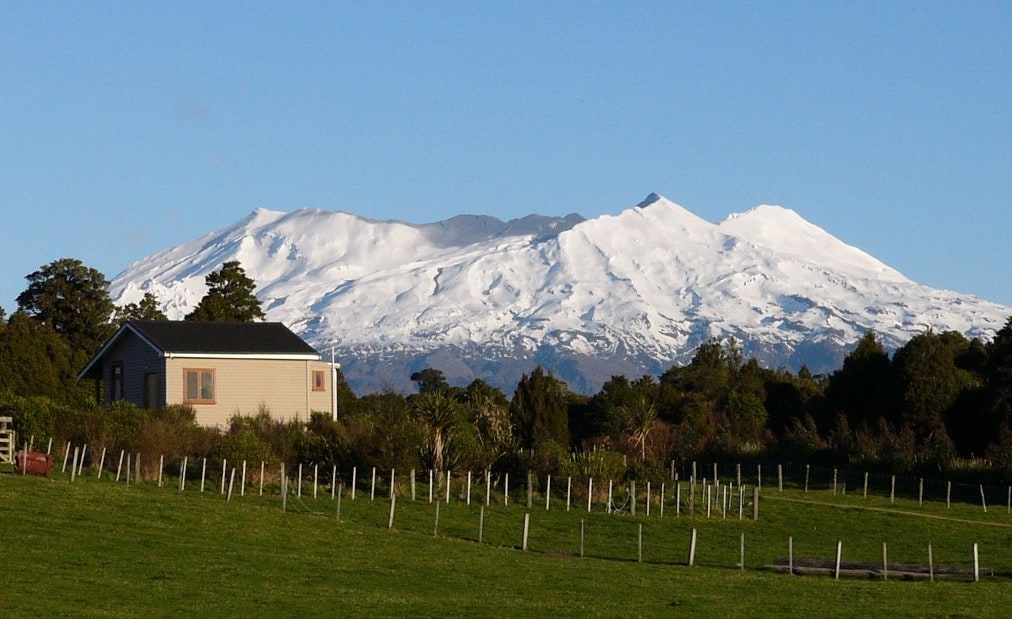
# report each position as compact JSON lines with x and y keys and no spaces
{"x":149,"y":308}
{"x":73,"y":300}
{"x":865,"y":388}
{"x":997,"y":396}
{"x":430,"y":380}
{"x":538,"y":410}
{"x":930,"y":382}
{"x":36,"y":361}
{"x":229,"y":297}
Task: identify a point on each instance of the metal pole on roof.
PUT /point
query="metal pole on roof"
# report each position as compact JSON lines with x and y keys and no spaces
{"x":333,"y":386}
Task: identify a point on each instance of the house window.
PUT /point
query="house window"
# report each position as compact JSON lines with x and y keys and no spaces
{"x":199,"y":386}
{"x":117,"y":382}
{"x":319,"y":380}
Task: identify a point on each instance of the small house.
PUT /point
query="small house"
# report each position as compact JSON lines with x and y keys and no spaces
{"x":219,"y":368}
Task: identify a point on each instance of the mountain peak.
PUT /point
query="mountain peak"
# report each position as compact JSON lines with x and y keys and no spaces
{"x":650,"y":199}
{"x":628,"y":294}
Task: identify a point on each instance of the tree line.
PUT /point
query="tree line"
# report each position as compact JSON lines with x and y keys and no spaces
{"x":938,"y":403}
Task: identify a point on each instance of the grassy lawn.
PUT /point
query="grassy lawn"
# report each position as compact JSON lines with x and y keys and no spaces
{"x":98,"y":548}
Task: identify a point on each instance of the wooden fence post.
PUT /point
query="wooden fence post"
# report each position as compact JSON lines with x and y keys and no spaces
{"x":372,"y":486}
{"x":885,"y":562}
{"x":892,"y":490}
{"x":639,"y":544}
{"x":790,"y":555}
{"x":590,"y":492}
{"x":468,"y":491}
{"x":527,"y":525}
{"x":481,"y":524}
{"x":983,"y":501}
{"x":548,"y":493}
{"x":742,"y":564}
{"x":393,"y":505}
{"x":582,"y":536}
{"x":808,"y":468}
{"x":866,"y":484}
{"x":354,"y":474}
{"x":692,"y":547}
{"x":755,"y":504}
{"x":931,"y":564}
{"x":976,"y":564}
{"x":839,"y":553}
{"x":780,"y":477}
{"x":182,"y":475}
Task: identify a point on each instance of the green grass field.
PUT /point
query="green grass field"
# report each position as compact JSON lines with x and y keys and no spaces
{"x":100,"y":548}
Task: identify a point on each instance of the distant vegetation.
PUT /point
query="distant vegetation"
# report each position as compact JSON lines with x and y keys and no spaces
{"x":939,"y":403}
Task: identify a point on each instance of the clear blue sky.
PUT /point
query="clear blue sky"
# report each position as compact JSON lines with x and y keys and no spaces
{"x":130,"y":127}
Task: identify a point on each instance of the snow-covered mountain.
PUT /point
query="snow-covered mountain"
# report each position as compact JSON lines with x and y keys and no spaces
{"x":627,"y":294}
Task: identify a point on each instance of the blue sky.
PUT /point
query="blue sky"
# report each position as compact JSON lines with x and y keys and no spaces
{"x":126,"y":128}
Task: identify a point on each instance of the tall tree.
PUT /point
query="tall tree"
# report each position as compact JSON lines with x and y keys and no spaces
{"x":864,"y":389}
{"x":539,"y":411}
{"x":36,"y":361}
{"x":73,"y":300}
{"x":229,"y":297}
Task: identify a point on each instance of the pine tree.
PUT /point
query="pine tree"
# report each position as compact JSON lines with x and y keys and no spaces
{"x":149,"y":308}
{"x":73,"y":300}
{"x":539,"y":411}
{"x":229,"y":297}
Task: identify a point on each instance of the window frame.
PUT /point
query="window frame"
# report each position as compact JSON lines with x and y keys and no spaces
{"x":117,"y":384}
{"x":200,"y":385}
{"x":319,"y":380}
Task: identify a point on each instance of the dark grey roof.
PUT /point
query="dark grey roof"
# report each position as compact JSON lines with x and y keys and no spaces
{"x":208,"y":338}
{"x":187,"y":336}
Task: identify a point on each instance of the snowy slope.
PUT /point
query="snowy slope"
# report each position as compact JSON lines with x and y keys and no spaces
{"x":629,"y":293}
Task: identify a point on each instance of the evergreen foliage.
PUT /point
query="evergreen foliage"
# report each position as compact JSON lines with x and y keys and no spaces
{"x":229,"y":297}
{"x":73,"y":300}
{"x":149,"y":308}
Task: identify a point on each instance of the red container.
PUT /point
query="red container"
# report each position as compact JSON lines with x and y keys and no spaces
{"x":39,"y":463}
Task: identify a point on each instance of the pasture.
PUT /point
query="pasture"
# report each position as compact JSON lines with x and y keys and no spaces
{"x":95,"y":547}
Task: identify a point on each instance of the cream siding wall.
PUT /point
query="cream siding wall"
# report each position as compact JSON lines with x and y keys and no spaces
{"x":284,"y":386}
